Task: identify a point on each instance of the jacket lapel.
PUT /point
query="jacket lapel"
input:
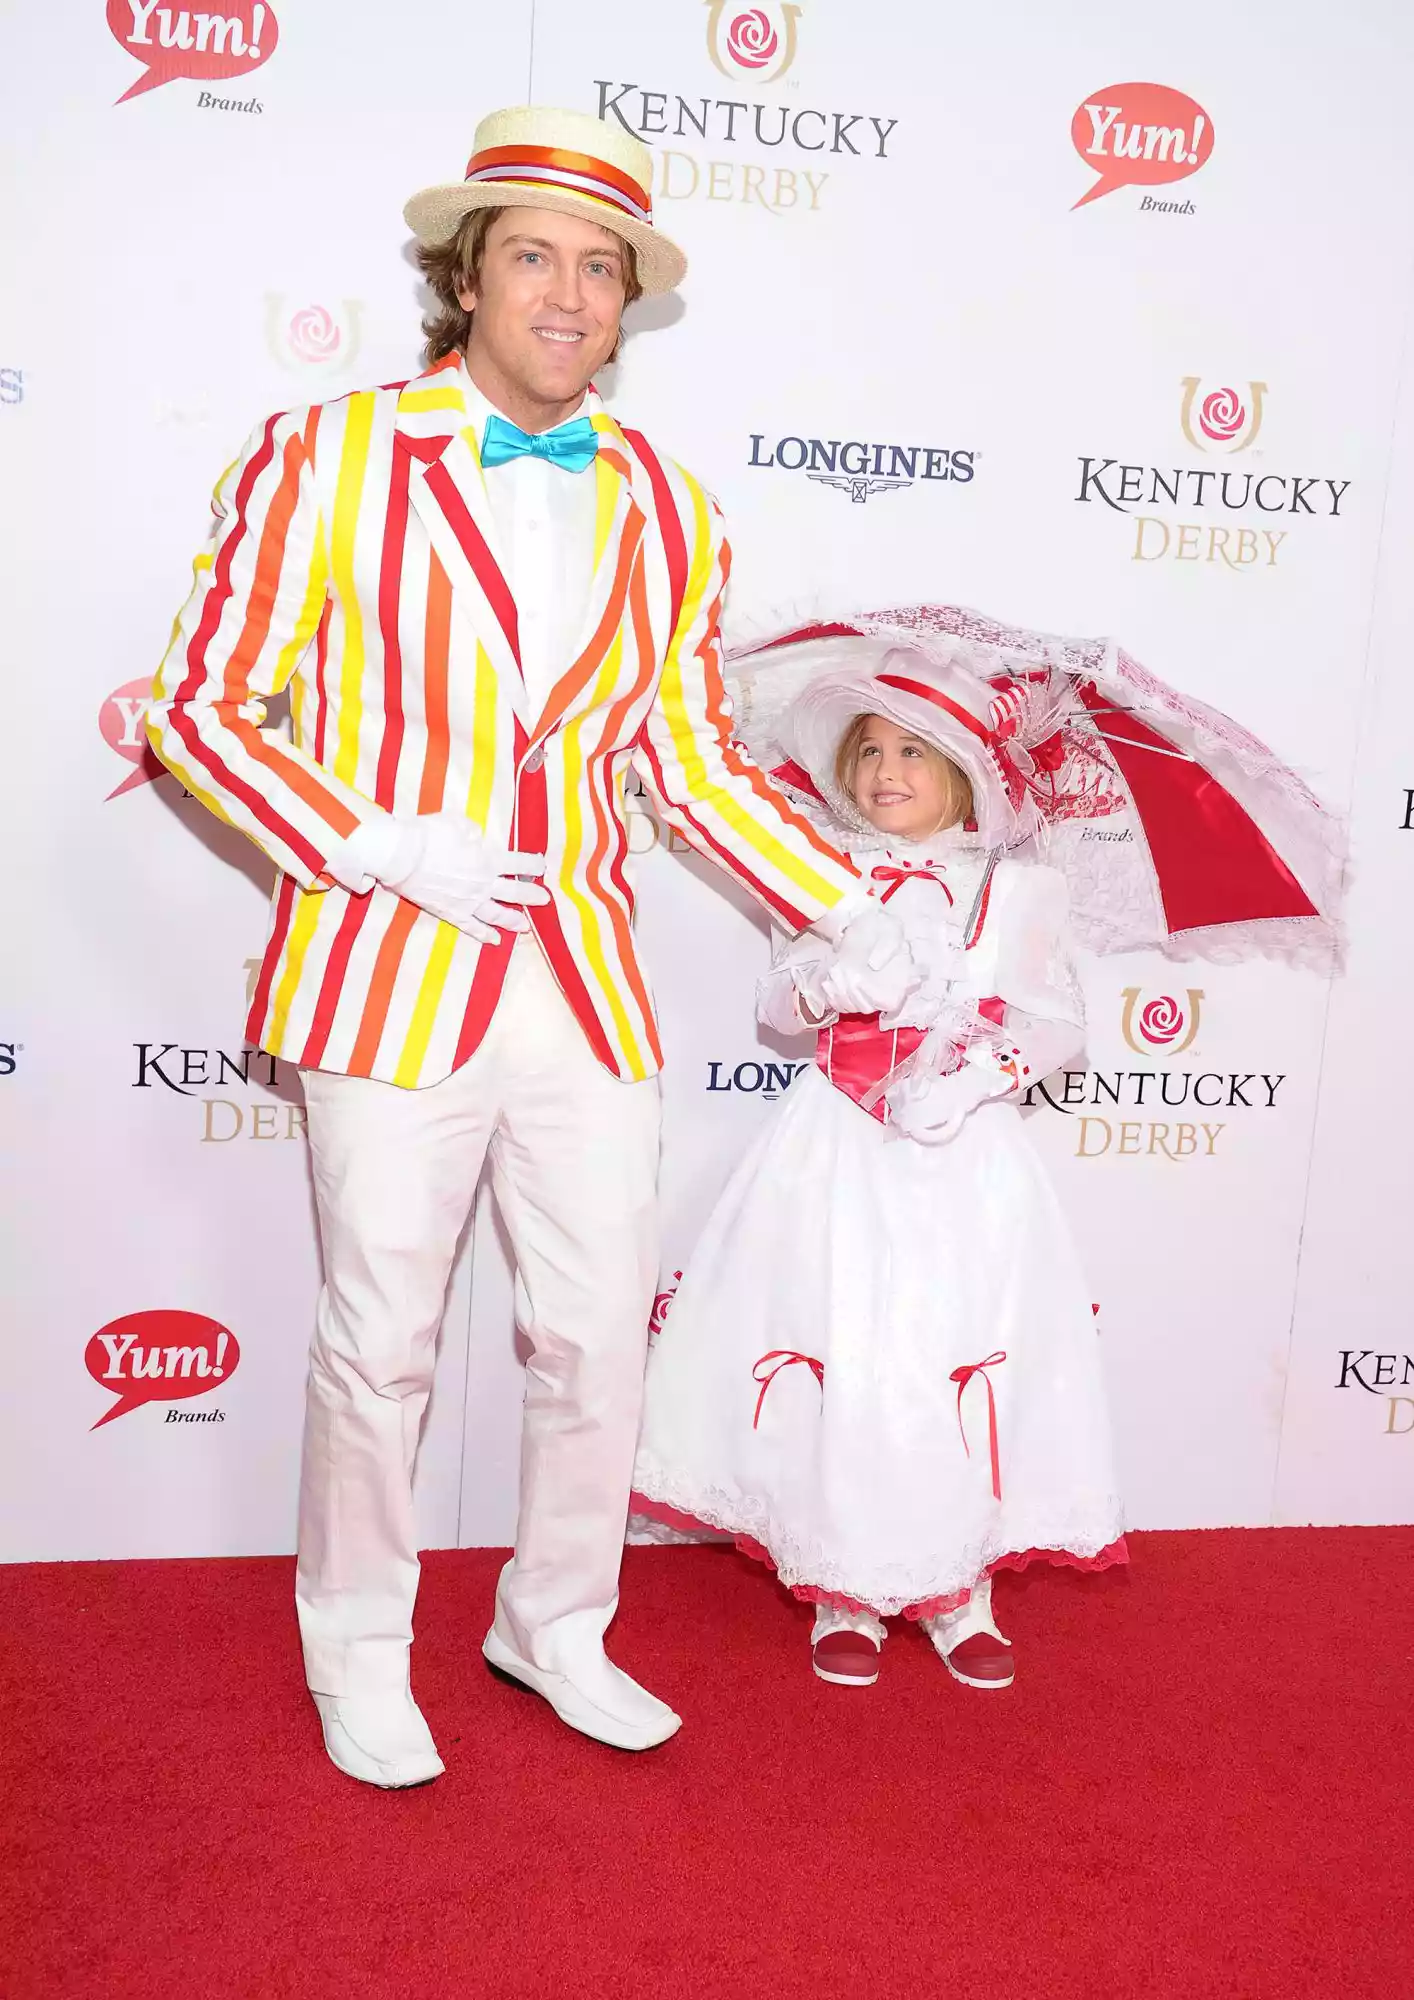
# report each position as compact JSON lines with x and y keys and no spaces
{"x":448,"y":489}
{"x":618,"y":534}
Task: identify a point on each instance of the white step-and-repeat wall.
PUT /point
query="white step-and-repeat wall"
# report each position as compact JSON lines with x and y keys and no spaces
{"x":1132,"y":284}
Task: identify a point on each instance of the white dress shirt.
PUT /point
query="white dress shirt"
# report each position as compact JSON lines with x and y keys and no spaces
{"x":544,"y":520}
{"x":544,"y":544}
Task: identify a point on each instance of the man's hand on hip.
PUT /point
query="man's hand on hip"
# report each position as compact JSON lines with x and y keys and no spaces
{"x":441,"y":862}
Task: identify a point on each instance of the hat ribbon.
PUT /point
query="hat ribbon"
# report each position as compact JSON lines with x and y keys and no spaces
{"x":571,"y":173}
{"x":991,"y":739}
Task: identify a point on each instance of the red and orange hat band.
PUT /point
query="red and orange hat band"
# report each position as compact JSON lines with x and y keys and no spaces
{"x":571,"y":173}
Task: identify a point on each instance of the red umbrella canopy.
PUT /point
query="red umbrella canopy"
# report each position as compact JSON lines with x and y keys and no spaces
{"x":1175,"y":826}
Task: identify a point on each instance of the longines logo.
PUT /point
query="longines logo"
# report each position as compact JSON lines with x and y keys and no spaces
{"x":758,"y":42}
{"x":312,"y":339}
{"x":1161,"y":1026}
{"x":765,"y":1079}
{"x":1239,"y":508}
{"x":858,"y":468}
{"x":190,"y":1072}
{"x":12,"y":386}
{"x":1379,"y":1373}
{"x":1164,"y":1024}
{"x":10,"y":1053}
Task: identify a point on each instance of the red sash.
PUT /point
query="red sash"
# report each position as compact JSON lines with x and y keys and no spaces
{"x":856,"y":1054}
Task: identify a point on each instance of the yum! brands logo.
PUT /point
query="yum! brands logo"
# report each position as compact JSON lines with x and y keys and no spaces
{"x":1163,"y":1025}
{"x":754,"y":42}
{"x":172,"y":42}
{"x":1141,"y":135}
{"x":120,"y":723}
{"x":161,"y":1357}
{"x":1221,"y":419}
{"x":311,"y":339}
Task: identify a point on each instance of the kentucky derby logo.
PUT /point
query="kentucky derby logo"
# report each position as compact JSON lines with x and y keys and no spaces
{"x":754,"y":42}
{"x":120,"y":723}
{"x":311,"y":337}
{"x":1163,"y":1024}
{"x":1221,"y":420}
{"x":661,"y":1306}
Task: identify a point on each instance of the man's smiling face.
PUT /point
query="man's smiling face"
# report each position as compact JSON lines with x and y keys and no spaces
{"x":546,"y":309}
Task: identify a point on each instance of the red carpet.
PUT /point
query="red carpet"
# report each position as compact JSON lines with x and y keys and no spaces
{"x":1200,"y":1786}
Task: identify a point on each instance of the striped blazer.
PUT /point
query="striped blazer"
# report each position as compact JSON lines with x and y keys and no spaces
{"x":353,"y":562}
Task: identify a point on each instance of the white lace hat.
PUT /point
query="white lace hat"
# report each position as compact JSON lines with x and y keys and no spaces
{"x":942,"y":703}
{"x":536,"y":156}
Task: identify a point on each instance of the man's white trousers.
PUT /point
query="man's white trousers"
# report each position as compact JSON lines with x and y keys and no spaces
{"x":574,"y":1161}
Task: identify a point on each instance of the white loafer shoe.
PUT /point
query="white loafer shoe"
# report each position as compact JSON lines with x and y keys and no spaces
{"x":601,"y":1701}
{"x":380,"y":1739}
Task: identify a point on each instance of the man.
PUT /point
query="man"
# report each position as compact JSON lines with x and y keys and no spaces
{"x":488,"y":602}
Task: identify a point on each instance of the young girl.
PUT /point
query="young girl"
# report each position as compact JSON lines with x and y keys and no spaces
{"x":881,"y":1370}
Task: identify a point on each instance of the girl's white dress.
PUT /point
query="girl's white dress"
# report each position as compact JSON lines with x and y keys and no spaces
{"x":881,"y":1368}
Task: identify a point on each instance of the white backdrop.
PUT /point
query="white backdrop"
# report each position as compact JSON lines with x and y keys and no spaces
{"x":880,"y":208}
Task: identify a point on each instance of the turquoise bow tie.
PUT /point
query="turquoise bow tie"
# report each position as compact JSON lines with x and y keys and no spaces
{"x":571,"y":446}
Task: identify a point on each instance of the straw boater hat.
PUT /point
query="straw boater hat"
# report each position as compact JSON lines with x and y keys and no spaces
{"x":533,"y":156}
{"x":943,"y":702}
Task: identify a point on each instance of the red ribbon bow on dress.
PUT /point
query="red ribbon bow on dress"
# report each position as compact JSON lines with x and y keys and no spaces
{"x":784,"y":1357}
{"x":962,"y":1376}
{"x":896,"y":877}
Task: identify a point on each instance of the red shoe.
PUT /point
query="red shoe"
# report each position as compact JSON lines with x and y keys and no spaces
{"x":969,"y":1644}
{"x":848,"y":1659}
{"x":844,"y":1646}
{"x":981,"y":1662}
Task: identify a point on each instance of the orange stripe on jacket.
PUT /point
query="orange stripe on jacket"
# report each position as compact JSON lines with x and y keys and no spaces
{"x":608,"y":817}
{"x":436,"y":653}
{"x":380,"y":989}
{"x":592,"y":658}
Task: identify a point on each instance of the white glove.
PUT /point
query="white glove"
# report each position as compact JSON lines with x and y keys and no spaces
{"x":869,"y":972}
{"x":931,"y":1109}
{"x":441,"y":862}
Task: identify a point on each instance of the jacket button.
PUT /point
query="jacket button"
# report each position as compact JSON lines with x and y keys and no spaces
{"x":534,"y":761}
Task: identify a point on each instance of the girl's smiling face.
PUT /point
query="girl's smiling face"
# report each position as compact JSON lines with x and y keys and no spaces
{"x":901,"y":784}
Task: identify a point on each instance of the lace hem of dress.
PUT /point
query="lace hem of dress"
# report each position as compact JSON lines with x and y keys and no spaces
{"x":892,"y":1590}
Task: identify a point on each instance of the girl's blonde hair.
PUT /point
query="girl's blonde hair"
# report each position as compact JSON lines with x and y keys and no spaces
{"x":957,"y":787}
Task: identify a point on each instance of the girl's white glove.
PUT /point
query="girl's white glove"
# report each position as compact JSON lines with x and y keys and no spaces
{"x":868,"y":972}
{"x":931,"y":1109}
